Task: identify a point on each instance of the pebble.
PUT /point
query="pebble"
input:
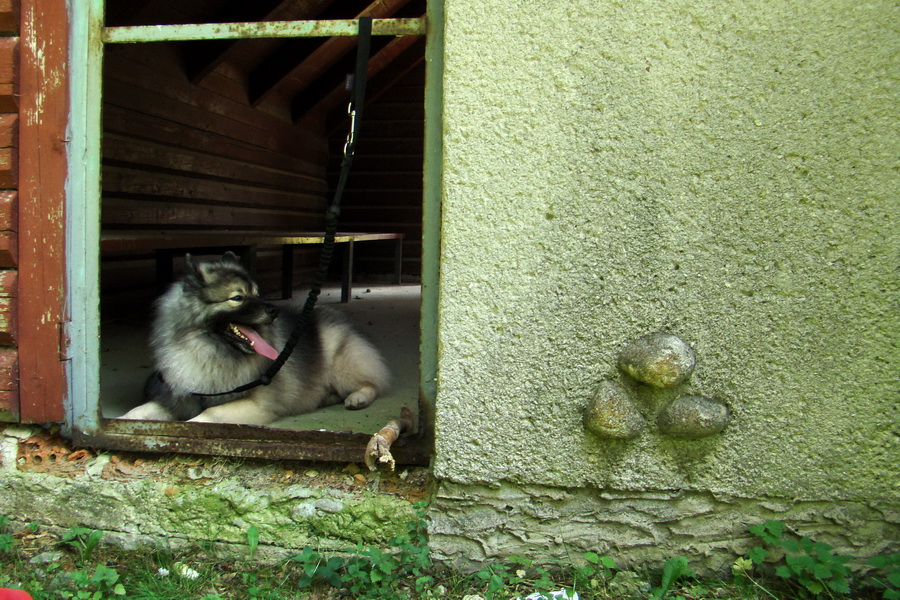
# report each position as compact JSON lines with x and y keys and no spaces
{"x":628,"y":584}
{"x":611,"y":414}
{"x":330,"y":506}
{"x":693,"y":417}
{"x":298,"y":491}
{"x":185,"y":571}
{"x":662,"y":360}
{"x":46,"y":557}
{"x":303,"y":511}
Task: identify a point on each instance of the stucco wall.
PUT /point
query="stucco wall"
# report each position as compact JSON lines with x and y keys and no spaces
{"x":724,"y":171}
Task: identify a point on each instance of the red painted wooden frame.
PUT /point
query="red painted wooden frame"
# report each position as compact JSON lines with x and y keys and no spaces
{"x":43,"y":121}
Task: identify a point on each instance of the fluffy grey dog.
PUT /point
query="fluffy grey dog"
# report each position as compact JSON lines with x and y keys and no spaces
{"x":213,"y":333}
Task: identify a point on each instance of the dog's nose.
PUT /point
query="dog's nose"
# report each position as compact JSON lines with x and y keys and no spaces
{"x":272,"y":310}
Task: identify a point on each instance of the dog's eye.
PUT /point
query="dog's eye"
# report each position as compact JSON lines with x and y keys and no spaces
{"x":236,"y":298}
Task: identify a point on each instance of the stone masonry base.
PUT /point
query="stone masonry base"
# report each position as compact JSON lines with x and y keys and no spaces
{"x":180,"y":500}
{"x":177,"y":501}
{"x":642,"y":530}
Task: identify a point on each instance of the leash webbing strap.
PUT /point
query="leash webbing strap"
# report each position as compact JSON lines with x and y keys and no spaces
{"x":355,"y":108}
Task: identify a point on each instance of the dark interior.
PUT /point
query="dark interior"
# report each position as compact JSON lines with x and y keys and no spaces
{"x":247,"y":135}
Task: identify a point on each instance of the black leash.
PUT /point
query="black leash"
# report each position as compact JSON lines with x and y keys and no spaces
{"x":354,"y":109}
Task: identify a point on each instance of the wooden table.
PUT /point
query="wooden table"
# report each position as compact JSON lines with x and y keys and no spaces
{"x":167,"y":244}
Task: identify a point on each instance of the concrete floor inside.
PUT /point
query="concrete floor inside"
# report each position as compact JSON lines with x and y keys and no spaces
{"x":388,"y":314}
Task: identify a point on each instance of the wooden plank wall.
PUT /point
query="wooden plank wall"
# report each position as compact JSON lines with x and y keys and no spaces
{"x":183,"y":156}
{"x":384,"y":191}
{"x":9,"y":130}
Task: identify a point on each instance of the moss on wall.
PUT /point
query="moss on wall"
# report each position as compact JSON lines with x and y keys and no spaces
{"x":175,"y":501}
{"x":723,"y":171}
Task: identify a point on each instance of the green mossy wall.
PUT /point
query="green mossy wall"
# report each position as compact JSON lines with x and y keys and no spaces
{"x":183,"y":501}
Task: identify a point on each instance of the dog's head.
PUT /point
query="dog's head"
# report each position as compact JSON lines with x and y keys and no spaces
{"x":232,"y":309}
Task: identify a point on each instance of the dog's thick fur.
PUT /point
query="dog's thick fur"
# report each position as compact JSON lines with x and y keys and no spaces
{"x":198,"y":347}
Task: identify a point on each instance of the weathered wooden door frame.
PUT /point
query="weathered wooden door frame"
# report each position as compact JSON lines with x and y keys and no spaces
{"x":43,"y":166}
{"x":84,"y":422}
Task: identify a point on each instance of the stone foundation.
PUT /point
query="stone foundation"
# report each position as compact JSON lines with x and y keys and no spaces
{"x":469,"y":523}
{"x":179,"y":501}
{"x":176,"y":501}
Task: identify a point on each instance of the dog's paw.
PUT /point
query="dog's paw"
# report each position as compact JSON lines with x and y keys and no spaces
{"x":360,"y":399}
{"x":149,"y":411}
{"x":203,"y":417}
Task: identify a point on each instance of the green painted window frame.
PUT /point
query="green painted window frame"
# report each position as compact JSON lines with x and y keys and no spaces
{"x":84,"y":423}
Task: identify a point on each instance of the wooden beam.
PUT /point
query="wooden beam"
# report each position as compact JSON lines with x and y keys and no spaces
{"x":9,"y":220}
{"x":9,"y":17}
{"x":8,"y":296}
{"x":9,"y":390}
{"x":202,"y":59}
{"x":291,"y":52}
{"x":386,"y":68}
{"x":44,"y":109}
{"x":296,"y":74}
{"x":333,"y":78}
{"x":9,"y":60}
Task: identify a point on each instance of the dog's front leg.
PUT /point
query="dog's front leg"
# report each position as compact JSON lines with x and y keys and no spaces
{"x":149,"y":411}
{"x":244,"y":412}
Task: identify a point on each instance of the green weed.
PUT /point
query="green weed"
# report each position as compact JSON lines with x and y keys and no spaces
{"x":401,"y":570}
{"x":595,"y":573}
{"x":673,"y":570}
{"x":373,"y":573}
{"x":252,"y":540}
{"x":6,"y":539}
{"x":889,"y":581}
{"x":83,"y":540}
{"x":810,"y":567}
{"x":519,"y":575}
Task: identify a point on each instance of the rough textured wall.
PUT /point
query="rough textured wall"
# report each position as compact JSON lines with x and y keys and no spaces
{"x":472,"y":522}
{"x":724,"y":171}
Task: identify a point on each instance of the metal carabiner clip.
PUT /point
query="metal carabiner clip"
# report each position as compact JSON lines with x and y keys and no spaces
{"x":351,"y":136}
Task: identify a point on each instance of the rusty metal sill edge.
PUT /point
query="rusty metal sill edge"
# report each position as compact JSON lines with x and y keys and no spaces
{"x":246,"y":442}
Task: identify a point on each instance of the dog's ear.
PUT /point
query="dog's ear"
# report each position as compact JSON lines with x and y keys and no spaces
{"x":231,"y":257}
{"x":191,"y":272}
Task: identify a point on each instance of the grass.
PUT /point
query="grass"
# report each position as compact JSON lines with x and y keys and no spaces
{"x":76,"y":565}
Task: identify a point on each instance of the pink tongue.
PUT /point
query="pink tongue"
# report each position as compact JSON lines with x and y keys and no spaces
{"x":260,"y":345}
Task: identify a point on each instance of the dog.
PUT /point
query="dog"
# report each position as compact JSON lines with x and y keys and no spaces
{"x":212,"y":333}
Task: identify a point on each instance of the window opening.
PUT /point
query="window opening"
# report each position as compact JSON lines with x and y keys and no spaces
{"x":230,"y":129}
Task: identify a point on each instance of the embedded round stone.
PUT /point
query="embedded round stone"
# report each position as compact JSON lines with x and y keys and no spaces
{"x":693,"y":417}
{"x":662,"y":360}
{"x":611,"y":414}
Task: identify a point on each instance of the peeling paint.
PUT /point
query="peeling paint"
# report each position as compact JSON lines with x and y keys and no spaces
{"x":51,"y":78}
{"x":264,"y":29}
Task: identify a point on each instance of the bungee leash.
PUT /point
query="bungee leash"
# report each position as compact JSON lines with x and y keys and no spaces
{"x":354,"y":109}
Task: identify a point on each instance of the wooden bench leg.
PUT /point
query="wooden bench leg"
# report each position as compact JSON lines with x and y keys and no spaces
{"x":347,"y":276}
{"x":287,"y":271}
{"x":398,"y":259}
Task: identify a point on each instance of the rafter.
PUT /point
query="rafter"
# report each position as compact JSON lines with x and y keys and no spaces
{"x":298,"y":65}
{"x":202,"y":59}
{"x":386,"y":68}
